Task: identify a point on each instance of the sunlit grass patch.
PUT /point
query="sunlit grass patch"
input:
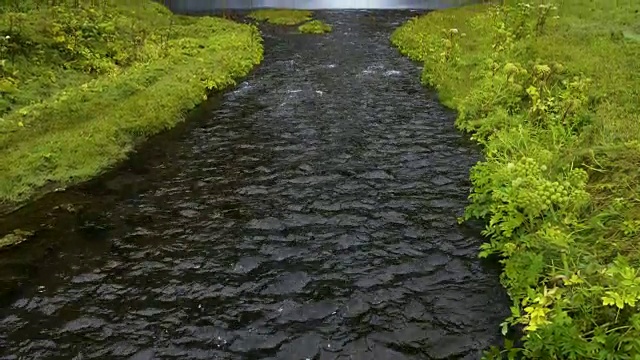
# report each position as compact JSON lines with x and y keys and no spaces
{"x":315,"y":27}
{"x":281,"y":16}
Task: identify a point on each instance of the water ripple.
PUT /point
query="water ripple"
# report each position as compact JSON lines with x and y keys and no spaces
{"x":311,"y":214}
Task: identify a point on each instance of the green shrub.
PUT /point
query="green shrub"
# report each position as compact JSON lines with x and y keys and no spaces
{"x":314,"y":27}
{"x":552,"y":96}
{"x":281,"y":16}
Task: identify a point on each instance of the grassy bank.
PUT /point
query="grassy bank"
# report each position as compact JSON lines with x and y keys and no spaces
{"x":552,"y":93}
{"x":82,"y":82}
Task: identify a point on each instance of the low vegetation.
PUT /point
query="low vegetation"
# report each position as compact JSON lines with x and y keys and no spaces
{"x":314,"y":27}
{"x":281,"y":16}
{"x":552,"y":93}
{"x":81,"y":82}
{"x":14,"y":238}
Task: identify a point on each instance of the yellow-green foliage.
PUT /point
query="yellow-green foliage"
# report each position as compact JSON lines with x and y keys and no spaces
{"x":16,"y":237}
{"x":281,"y":16}
{"x":314,"y":27}
{"x":553,"y":95}
{"x":81,"y":85}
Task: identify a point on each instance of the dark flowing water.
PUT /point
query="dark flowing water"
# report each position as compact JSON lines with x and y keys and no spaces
{"x":204,"y":6}
{"x":308,"y":214}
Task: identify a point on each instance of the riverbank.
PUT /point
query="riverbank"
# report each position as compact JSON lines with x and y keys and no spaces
{"x":552,"y":95}
{"x":82,"y":84}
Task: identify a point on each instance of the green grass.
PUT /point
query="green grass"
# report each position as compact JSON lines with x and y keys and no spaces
{"x":314,"y":27}
{"x":557,"y":110}
{"x":95,"y":81}
{"x":14,"y":238}
{"x":281,"y":16}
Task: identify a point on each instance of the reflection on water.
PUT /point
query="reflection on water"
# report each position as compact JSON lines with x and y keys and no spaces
{"x":199,"y":5}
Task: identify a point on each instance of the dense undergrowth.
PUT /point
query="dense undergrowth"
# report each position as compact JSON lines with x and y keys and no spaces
{"x":552,"y":93}
{"x":81,"y":82}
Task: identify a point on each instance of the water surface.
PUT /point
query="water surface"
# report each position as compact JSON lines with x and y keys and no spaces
{"x":310,"y":213}
{"x":204,"y":6}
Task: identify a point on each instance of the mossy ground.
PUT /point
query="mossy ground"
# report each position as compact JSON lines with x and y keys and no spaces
{"x":83,"y":82}
{"x":554,"y":97}
{"x":314,"y":27}
{"x":14,"y":238}
{"x":281,"y":16}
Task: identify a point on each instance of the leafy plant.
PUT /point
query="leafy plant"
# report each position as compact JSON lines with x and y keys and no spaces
{"x":450,"y":44}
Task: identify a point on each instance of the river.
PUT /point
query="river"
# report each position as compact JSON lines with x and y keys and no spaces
{"x":191,"y":6}
{"x":309,"y":213}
